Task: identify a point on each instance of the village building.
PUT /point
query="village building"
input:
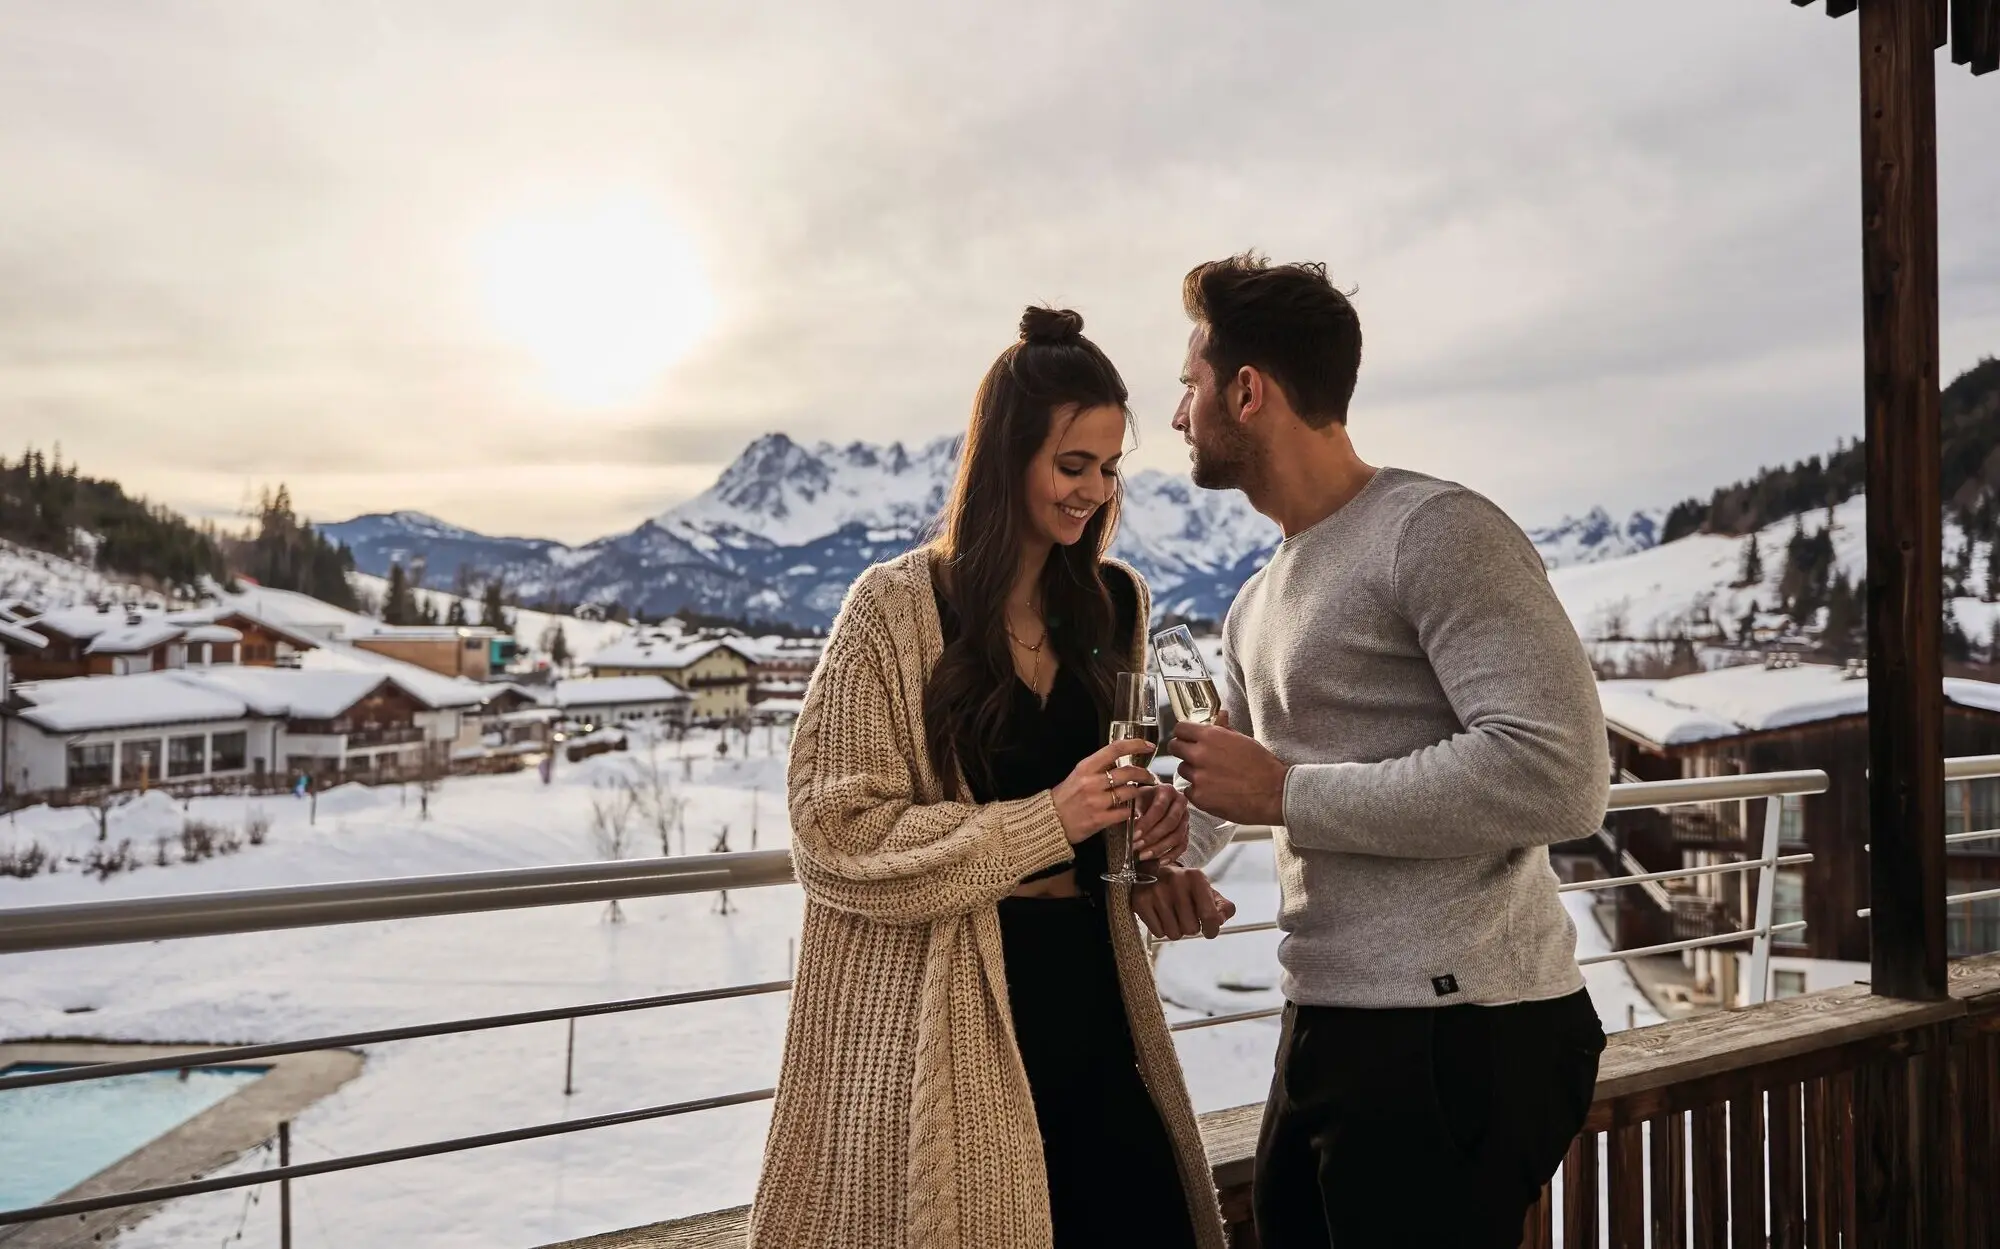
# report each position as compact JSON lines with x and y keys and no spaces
{"x":1774,"y":717}
{"x":470,"y":651}
{"x":110,"y":641}
{"x":714,"y":671}
{"x":600,"y":701}
{"x":217,"y":723}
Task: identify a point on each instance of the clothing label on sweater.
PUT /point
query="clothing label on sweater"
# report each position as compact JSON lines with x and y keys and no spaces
{"x":1445,"y":985}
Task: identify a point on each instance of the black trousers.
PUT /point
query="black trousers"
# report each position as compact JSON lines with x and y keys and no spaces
{"x":1432,"y":1127}
{"x":1113,"y":1179}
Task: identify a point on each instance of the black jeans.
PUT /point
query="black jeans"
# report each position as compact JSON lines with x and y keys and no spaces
{"x":1426,"y":1127}
{"x":1113,"y":1179}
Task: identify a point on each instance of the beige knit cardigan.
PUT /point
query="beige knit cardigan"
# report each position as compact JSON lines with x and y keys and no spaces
{"x":903,"y":1119}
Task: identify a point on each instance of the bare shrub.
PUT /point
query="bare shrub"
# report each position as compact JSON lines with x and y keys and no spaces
{"x":24,"y":861}
{"x":162,"y":856}
{"x":612,"y":806}
{"x":198,"y":838}
{"x":257,"y":826}
{"x":105,"y":862}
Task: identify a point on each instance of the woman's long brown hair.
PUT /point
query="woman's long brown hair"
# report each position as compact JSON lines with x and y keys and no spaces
{"x":970,"y":695}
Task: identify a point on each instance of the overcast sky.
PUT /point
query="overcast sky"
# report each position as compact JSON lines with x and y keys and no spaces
{"x":1605,"y":251}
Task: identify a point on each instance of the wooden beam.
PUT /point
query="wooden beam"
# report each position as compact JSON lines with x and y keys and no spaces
{"x":1975,"y":35}
{"x":1905,"y":583}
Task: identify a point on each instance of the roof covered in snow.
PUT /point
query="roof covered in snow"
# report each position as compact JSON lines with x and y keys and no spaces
{"x":1732,"y":702}
{"x":81,"y":704}
{"x":21,"y":635}
{"x":613,"y":691}
{"x":650,"y":650}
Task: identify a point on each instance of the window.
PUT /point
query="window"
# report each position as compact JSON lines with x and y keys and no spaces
{"x":139,"y":761}
{"x":1788,"y":904}
{"x":1971,"y":927}
{"x":91,"y":765}
{"x":1972,"y":807}
{"x":1792,"y":820}
{"x":187,"y":756}
{"x":226,"y":751}
{"x":1787,"y":983}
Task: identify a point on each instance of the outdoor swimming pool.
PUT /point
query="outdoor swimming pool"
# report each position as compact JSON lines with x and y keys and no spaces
{"x":56,"y":1136}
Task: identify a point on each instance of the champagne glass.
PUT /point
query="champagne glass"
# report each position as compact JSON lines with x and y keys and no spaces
{"x":1135,"y":713}
{"x":1190,"y":688}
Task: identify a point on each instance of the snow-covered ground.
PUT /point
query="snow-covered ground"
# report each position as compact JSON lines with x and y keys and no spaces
{"x":291,"y":984}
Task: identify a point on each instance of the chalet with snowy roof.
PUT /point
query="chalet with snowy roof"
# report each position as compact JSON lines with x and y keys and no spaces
{"x":599,"y":701}
{"x":715,"y":671}
{"x":113,"y":641}
{"x":221,"y":723}
{"x":1777,"y":716}
{"x":265,"y":643}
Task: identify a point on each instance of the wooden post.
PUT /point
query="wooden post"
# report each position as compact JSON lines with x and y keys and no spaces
{"x":1905,"y":591}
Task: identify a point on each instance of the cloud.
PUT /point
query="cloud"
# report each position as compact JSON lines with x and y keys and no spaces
{"x":1603,"y":252}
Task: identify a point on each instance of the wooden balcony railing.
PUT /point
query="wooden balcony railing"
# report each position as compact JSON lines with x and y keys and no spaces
{"x":1832,"y":1120}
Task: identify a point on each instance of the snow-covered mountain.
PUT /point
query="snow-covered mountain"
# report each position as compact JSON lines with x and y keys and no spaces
{"x":1595,"y":536}
{"x":787,"y":527}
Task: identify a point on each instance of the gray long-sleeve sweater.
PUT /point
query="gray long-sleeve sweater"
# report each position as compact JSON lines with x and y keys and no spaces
{"x":1407,"y":657}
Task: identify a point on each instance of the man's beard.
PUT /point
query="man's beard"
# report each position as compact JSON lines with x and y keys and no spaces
{"x":1226,"y":460}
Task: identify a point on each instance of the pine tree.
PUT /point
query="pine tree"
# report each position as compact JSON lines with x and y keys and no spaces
{"x":493,"y":613}
{"x":1752,"y":570}
{"x":556,"y":646}
{"x":398,"y":604}
{"x":454,"y":615}
{"x":1992,"y":590}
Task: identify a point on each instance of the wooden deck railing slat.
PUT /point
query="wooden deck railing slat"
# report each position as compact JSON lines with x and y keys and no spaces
{"x":1625,"y":1163}
{"x":1788,"y":1187}
{"x":1580,"y":1195}
{"x":1669,"y":1173}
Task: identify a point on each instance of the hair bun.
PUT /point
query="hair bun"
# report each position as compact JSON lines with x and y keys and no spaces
{"x":1051,"y":325}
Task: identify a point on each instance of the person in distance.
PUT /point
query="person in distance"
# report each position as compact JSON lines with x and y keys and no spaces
{"x":1409,"y":708}
{"x":976,"y":1056}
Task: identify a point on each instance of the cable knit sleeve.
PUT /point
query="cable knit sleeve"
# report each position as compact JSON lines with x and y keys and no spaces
{"x":861,"y":841}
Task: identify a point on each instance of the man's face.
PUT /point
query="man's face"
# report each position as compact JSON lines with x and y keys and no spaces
{"x":1222,"y":454}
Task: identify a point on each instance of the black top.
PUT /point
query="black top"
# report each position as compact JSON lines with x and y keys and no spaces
{"x":1044,"y":741}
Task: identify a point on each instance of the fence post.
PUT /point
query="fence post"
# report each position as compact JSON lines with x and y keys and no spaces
{"x":569,"y":1062}
{"x":1767,"y":881}
{"x":285,"y":1186}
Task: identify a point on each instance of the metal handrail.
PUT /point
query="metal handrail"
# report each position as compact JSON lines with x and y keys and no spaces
{"x":85,"y":924}
{"x":76,"y":924}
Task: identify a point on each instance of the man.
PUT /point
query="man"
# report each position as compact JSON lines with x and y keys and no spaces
{"x":1409,"y":708}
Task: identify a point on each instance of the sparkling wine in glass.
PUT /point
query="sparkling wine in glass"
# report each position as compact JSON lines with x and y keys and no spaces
{"x":1135,"y":713}
{"x":1190,"y":688}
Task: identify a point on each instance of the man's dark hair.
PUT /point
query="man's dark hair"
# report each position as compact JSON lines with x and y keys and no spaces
{"x":1286,"y":320}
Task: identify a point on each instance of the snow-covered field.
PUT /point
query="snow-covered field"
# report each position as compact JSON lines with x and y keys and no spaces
{"x":292,"y":984}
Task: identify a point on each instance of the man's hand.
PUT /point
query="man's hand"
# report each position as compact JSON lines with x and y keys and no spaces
{"x":1228,"y":775}
{"x":1180,"y":903}
{"x":1161,"y":831}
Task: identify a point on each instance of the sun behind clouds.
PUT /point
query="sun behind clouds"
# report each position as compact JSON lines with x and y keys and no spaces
{"x":605,"y":297}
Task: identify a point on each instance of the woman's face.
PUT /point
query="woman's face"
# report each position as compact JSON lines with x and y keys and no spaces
{"x":1076,"y":471}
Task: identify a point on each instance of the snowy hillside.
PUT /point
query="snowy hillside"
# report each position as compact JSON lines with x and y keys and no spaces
{"x":50,"y":580}
{"x":1660,"y":591}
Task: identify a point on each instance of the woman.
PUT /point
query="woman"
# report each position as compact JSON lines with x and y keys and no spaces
{"x":976,"y":1057}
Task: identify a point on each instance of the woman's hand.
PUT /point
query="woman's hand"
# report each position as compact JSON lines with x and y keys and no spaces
{"x":1161,"y":831}
{"x":1180,"y":903}
{"x":1098,"y":792}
